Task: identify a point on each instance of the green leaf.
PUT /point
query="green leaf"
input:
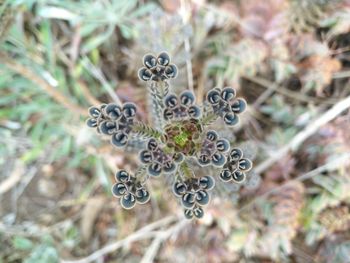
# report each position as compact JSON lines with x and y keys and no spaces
{"x":53,"y":12}
{"x":22,"y":243}
{"x":127,"y":31}
{"x":98,"y":40}
{"x":237,"y":239}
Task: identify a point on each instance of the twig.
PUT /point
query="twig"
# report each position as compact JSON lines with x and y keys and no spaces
{"x":265,"y":95}
{"x":13,"y":179}
{"x":189,"y":64}
{"x":87,"y":94}
{"x":341,"y":74}
{"x":185,"y":17}
{"x":151,"y":252}
{"x":32,"y":76}
{"x":99,"y":76}
{"x":273,"y":87}
{"x":143,"y":233}
{"x":294,"y":144}
{"x":201,"y":83}
{"x":330,"y":166}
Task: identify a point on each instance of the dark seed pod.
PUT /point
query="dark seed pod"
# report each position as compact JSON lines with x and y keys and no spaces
{"x":239,"y":106}
{"x":206,"y":182}
{"x":238,"y":176}
{"x":228,"y":94}
{"x":236,"y":154}
{"x":187,"y":98}
{"x":204,"y":160}
{"x":168,"y":114}
{"x":142,"y":196}
{"x":149,"y":61}
{"x":213,"y":97}
{"x":92,"y":123}
{"x":188,"y":213}
{"x":163,"y":59}
{"x":198,"y":212}
{"x":129,"y":110}
{"x":128,"y":201}
{"x":218,"y":159}
{"x":212,"y":136}
{"x":108,"y":127}
{"x":222,"y":145}
{"x":231,"y":118}
{"x":94,"y":112}
{"x":188,"y":200}
{"x":119,"y":139}
{"x":113,"y":111}
{"x":171,"y":101}
{"x":171,"y":71}
{"x":202,"y":197}
{"x":152,"y":145}
{"x":169,"y":167}
{"x":244,"y":165}
{"x":119,"y":189}
{"x":122,"y":176}
{"x":179,"y":189}
{"x":194,"y":111}
{"x":145,"y":74}
{"x":145,"y":156}
{"x":155,"y":169}
{"x":225,"y":175}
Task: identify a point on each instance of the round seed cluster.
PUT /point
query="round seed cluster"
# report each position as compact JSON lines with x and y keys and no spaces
{"x":129,"y":190}
{"x":225,"y":104}
{"x":213,"y":150}
{"x":235,"y":167}
{"x":194,"y":194}
{"x":114,"y":121}
{"x":181,"y":107}
{"x":157,"y":68}
{"x":97,"y":116}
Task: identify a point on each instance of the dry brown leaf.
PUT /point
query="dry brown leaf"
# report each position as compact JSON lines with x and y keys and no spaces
{"x":265,"y":19}
{"x":282,"y":169}
{"x":319,"y":69}
{"x":13,"y":179}
{"x":170,"y":6}
{"x":91,"y":210}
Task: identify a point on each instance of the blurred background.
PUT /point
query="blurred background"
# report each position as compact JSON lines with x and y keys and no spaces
{"x":290,"y":59}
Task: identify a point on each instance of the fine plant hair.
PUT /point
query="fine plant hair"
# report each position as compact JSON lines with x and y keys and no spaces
{"x":178,"y":139}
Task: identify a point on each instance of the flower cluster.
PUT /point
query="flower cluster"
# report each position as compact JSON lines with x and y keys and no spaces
{"x":97,"y":116}
{"x":235,"y":167}
{"x":182,"y":107}
{"x":183,"y":135}
{"x":194,"y":194}
{"x":129,"y":190}
{"x":113,"y":120}
{"x":157,"y":68}
{"x":225,"y":105}
{"x":213,"y":150}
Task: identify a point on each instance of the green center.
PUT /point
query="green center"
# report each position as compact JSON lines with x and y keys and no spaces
{"x":182,"y":138}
